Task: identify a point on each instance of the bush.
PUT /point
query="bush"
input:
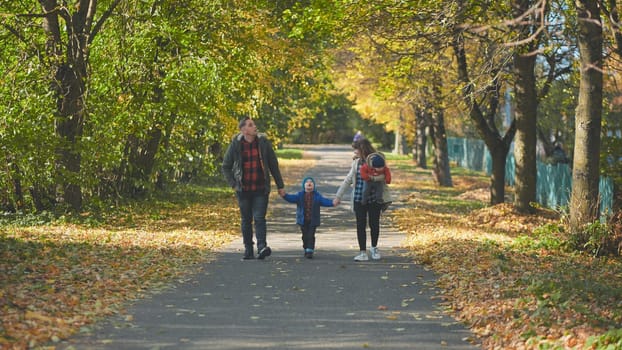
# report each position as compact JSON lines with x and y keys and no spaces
{"x":599,"y":239}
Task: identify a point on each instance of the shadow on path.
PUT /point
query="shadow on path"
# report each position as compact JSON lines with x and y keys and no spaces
{"x":289,"y":302}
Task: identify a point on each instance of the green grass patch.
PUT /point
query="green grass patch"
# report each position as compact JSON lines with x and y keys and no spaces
{"x":289,"y":153}
{"x":391,"y":156}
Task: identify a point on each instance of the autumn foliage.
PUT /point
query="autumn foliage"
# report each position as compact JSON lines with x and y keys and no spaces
{"x":60,"y":277}
{"x":508,"y":276}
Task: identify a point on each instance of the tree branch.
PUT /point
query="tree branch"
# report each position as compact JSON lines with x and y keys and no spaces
{"x":103,"y":18}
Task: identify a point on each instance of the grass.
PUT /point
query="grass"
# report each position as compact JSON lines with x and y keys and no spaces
{"x":289,"y":153}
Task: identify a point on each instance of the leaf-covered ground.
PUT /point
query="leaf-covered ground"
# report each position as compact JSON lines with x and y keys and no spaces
{"x":506,"y":275}
{"x":58,"y":277}
{"x":500,"y":272}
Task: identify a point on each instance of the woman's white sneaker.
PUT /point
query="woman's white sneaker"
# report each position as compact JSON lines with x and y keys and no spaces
{"x":375,"y":254}
{"x":362,"y":256}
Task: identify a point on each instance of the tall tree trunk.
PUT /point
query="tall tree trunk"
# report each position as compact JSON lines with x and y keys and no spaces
{"x":442,"y":170}
{"x":584,"y":202}
{"x":69,"y":124}
{"x":526,"y":109}
{"x":70,"y":76}
{"x":526,"y":136}
{"x":419,"y":153}
{"x":399,"y":137}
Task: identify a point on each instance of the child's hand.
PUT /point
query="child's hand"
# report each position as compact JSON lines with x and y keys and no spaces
{"x":336,"y":202}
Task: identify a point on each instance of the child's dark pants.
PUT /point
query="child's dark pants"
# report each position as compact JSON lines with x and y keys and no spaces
{"x":308,"y":236}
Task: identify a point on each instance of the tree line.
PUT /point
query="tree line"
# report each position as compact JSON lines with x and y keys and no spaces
{"x":522,"y":73}
{"x":113,"y":99}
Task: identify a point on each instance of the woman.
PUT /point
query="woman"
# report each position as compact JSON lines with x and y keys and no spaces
{"x":365,"y":212}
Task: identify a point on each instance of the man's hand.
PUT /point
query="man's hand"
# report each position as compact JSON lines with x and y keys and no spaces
{"x":336,"y":202}
{"x":281,"y":192}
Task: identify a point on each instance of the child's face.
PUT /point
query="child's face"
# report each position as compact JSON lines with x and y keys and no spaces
{"x":309,"y":185}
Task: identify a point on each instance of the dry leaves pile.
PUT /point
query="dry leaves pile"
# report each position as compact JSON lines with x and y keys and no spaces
{"x":505,"y":274}
{"x":57,"y":279}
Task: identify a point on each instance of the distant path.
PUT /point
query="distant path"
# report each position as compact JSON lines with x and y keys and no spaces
{"x":288,"y":302}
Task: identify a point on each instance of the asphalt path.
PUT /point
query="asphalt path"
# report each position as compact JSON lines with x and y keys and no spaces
{"x":289,"y":302}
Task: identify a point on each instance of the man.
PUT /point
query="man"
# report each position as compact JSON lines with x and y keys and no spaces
{"x":247,"y":166}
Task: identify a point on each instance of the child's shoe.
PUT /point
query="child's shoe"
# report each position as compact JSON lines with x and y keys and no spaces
{"x":309,"y":253}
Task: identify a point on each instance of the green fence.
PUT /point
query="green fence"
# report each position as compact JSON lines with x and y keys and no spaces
{"x":553,"y":182}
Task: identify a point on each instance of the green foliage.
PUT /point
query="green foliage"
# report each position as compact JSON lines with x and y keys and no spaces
{"x":167,"y":83}
{"x":26,"y":219}
{"x":611,"y":152}
{"x":547,"y":237}
{"x":610,"y":340}
{"x":597,"y":239}
{"x":289,"y":153}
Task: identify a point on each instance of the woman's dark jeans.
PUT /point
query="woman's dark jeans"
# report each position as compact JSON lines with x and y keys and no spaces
{"x":253,"y":208}
{"x":364,"y":213}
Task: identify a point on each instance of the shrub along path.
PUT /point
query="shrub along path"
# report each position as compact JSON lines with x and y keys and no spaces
{"x":289,"y":302}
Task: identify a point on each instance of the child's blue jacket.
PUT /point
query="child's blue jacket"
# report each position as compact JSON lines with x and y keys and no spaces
{"x":318,"y":201}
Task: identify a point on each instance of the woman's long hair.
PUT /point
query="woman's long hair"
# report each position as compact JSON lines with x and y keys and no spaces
{"x":364,"y":147}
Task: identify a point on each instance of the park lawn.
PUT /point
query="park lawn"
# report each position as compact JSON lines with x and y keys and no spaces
{"x":59,"y":275}
{"x":507,"y":276}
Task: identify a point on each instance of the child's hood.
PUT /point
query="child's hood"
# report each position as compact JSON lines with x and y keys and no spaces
{"x":305,"y":180}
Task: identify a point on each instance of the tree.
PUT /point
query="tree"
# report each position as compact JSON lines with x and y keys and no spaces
{"x":68,"y":53}
{"x":488,"y":90}
{"x":525,"y":112}
{"x":584,"y":202}
{"x":69,"y":34}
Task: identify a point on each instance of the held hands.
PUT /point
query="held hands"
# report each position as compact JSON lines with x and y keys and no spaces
{"x":281,"y":192}
{"x":336,"y":202}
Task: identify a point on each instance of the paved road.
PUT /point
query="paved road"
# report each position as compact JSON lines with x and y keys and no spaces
{"x":289,"y":302}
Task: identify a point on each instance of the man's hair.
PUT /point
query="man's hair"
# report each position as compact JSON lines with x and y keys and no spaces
{"x":243,"y":121}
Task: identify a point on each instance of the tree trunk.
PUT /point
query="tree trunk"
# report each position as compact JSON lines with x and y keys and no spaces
{"x":419,"y":154}
{"x":68,"y":83}
{"x":497,"y":177}
{"x":141,"y":161}
{"x":585,"y":173}
{"x":163,"y":175}
{"x":69,"y":123}
{"x":525,"y":115}
{"x":68,"y":52}
{"x":442,"y":170}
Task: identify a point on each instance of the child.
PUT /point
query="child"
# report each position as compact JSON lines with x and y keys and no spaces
{"x":376,"y":175}
{"x":308,"y":202}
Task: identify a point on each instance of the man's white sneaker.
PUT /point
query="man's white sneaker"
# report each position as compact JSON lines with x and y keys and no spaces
{"x":362,"y":256}
{"x":375,"y":254}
